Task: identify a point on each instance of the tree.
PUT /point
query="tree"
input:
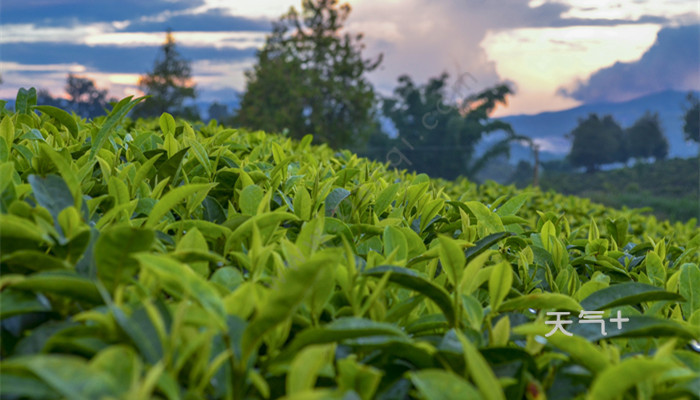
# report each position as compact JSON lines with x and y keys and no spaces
{"x":646,"y":139}
{"x":83,"y":90}
{"x":218,"y":111}
{"x":523,"y":174}
{"x":596,"y":142}
{"x":169,"y":84}
{"x":44,"y":98}
{"x":440,"y":139}
{"x":310,"y":78}
{"x":84,"y":97}
{"x":691,"y":120}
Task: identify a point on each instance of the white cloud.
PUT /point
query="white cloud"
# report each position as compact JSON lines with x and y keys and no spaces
{"x":254,"y":9}
{"x":105,"y":34}
{"x":213,"y":76}
{"x":540,"y":60}
{"x":631,"y":10}
{"x":28,"y":33}
{"x":491,"y":40}
{"x":13,"y":66}
{"x":235,"y":40}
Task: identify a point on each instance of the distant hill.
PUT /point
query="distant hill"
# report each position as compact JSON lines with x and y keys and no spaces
{"x":549,"y":128}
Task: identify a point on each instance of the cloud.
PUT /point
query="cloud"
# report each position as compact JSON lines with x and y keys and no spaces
{"x":113,"y":59}
{"x":672,"y":62}
{"x":424,"y":38}
{"x":73,"y":12}
{"x":212,"y":20}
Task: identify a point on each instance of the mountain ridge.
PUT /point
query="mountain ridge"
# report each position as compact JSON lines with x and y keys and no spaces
{"x":549,"y":128}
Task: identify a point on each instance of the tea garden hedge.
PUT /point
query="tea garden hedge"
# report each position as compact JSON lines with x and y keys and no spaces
{"x":169,"y":260}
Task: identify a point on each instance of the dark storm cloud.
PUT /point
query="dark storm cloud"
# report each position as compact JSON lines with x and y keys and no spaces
{"x":111,"y":59}
{"x":210,"y":21}
{"x":672,"y":62}
{"x":72,"y":12}
{"x":509,"y":14}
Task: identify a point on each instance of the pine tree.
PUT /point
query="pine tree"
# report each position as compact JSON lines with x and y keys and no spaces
{"x":310,"y":78}
{"x":169,"y":84}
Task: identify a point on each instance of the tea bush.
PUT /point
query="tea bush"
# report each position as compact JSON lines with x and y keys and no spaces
{"x":161,"y":259}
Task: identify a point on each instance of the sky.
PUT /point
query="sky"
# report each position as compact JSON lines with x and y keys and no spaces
{"x":555,"y":54}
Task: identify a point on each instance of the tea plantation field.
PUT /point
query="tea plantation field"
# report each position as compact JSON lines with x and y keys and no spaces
{"x":173,"y":260}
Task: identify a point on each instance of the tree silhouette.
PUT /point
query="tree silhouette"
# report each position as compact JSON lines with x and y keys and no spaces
{"x":218,"y":112}
{"x":596,"y":142}
{"x":84,"y":97}
{"x":169,"y":84}
{"x":691,"y":120}
{"x":646,"y":139}
{"x":310,"y":78}
{"x":440,"y":139}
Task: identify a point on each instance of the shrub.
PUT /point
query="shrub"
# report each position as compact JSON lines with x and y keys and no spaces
{"x":161,"y":259}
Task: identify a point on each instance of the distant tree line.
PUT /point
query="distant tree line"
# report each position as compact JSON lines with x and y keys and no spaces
{"x":310,"y":77}
{"x":169,"y":86}
{"x":601,"y":140}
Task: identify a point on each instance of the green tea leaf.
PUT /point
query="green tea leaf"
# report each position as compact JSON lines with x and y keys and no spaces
{"x":302,"y":204}
{"x":577,"y":347}
{"x":437,"y":384}
{"x":635,"y":326}
{"x":68,"y":375}
{"x":394,"y":240}
{"x":480,"y":372}
{"x":341,"y":329}
{"x":655,"y":270}
{"x":385,"y":198}
{"x":513,"y":204}
{"x":688,"y":286}
{"x":251,"y":196}
{"x":172,"y":198}
{"x":412,"y":280}
{"x":115,"y":116}
{"x":34,"y":260}
{"x":16,"y":302}
{"x":7,"y":129}
{"x":62,"y":283}
{"x":306,"y":366}
{"x":631,"y":293}
{"x":499,"y":283}
{"x":452,"y":259}
{"x":491,"y":221}
{"x":167,"y":124}
{"x":288,"y":293}
{"x":484,"y":244}
{"x":178,"y":278}
{"x":61,"y":116}
{"x":540,"y":301}
{"x":52,"y":193}
{"x":614,"y":382}
{"x":114,"y":250}
{"x":333,"y":200}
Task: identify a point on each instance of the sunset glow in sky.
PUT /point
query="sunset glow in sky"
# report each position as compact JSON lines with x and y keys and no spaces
{"x":557,"y":54}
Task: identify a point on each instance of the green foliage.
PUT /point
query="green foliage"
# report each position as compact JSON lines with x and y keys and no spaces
{"x":646,"y":139}
{"x":173,"y":261}
{"x":438,"y":133}
{"x":310,"y":78}
{"x":664,"y":188}
{"x":691,"y":119}
{"x":597,"y":141}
